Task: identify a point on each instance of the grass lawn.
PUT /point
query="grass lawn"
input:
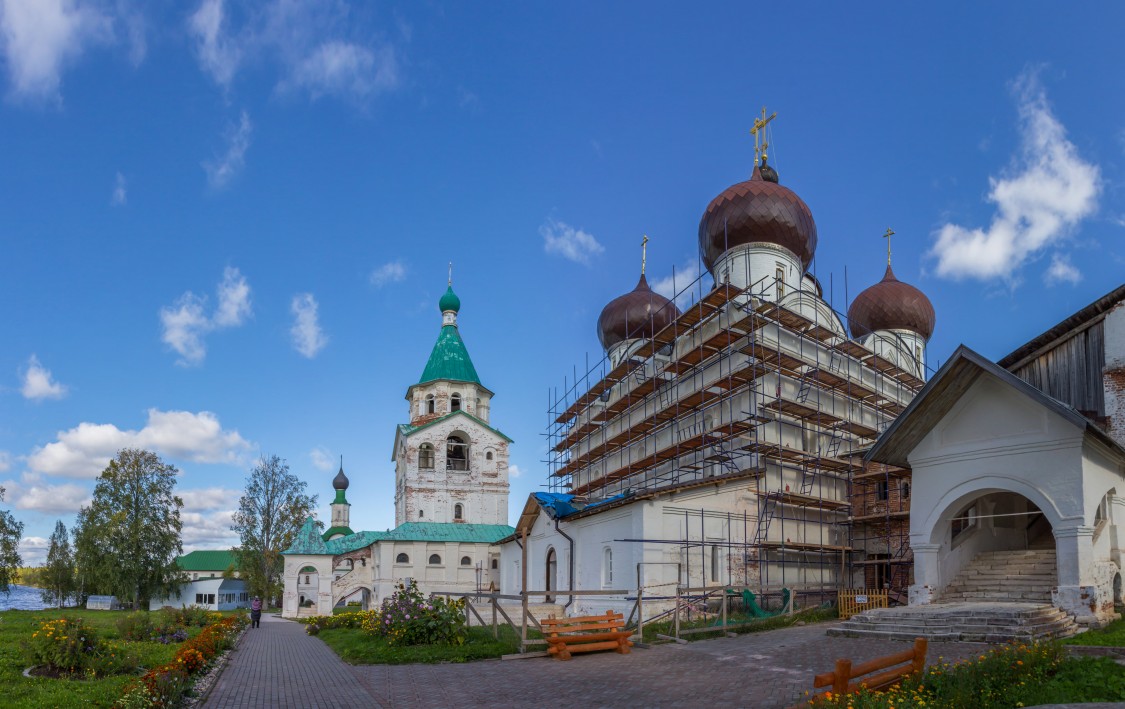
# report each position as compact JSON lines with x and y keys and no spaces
{"x":1113,"y":635}
{"x":667,"y":627}
{"x":358,"y":648}
{"x":16,"y":690}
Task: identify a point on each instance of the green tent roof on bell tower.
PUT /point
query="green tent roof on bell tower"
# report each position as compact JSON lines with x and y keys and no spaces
{"x":449,"y":358}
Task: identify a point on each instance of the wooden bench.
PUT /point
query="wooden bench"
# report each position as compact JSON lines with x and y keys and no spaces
{"x":586,"y":633}
{"x":892,"y":669}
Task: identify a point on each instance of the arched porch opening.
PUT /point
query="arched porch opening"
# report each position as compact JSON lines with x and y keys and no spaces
{"x":308,"y":587}
{"x":552,"y":575}
{"x":994,"y":545}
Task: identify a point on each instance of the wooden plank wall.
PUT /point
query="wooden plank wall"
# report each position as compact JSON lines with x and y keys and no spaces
{"x":1071,"y":371}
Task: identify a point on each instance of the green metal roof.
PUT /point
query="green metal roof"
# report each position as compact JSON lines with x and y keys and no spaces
{"x":308,"y":540}
{"x":449,"y":359}
{"x":406,"y":429}
{"x":336,"y":530}
{"x":447,"y":532}
{"x":407,"y":532}
{"x":207,"y":560}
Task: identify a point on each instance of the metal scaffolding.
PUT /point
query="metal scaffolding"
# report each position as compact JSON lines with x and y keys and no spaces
{"x":745,"y":388}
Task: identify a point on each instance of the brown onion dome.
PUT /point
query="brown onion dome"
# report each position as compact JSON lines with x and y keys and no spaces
{"x":891,"y":304}
{"x":758,"y":210}
{"x":639,"y":313}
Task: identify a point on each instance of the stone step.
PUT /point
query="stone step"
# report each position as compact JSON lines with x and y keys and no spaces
{"x":968,"y":622}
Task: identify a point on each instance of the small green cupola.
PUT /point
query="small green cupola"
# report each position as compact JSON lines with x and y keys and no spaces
{"x":449,"y":358}
{"x":449,"y":302}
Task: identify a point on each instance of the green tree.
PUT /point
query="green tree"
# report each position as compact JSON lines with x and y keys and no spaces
{"x":10,"y":533}
{"x":58,"y":575}
{"x":271,"y":511}
{"x":128,"y":538}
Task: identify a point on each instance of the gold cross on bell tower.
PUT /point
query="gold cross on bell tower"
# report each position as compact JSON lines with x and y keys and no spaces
{"x":644,"y":253}
{"x":887,"y":235}
{"x":759,"y":133}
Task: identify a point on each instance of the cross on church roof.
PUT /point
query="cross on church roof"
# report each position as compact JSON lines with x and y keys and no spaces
{"x":758,"y":131}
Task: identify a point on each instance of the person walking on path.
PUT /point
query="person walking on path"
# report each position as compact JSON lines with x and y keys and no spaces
{"x":256,"y":613}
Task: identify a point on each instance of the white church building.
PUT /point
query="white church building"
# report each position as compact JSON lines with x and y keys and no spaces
{"x":451,"y":498}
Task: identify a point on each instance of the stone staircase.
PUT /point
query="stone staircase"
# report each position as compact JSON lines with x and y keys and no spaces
{"x":992,"y":622}
{"x":1025,"y":576}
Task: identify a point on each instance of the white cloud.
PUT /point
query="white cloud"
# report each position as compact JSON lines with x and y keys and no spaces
{"x":5,"y":461}
{"x":684,"y":282}
{"x":570,"y":243}
{"x":514,"y":471}
{"x":391,"y":272}
{"x":33,"y":550}
{"x":39,"y":37}
{"x":322,"y":460}
{"x":62,"y":499}
{"x":308,"y":338}
{"x":207,"y":529}
{"x":234,"y":299}
{"x":185,"y":323}
{"x":120,"y":195}
{"x":218,"y":53}
{"x":184,"y":326}
{"x":1046,"y":192}
{"x":38,"y":384}
{"x":344,"y":69}
{"x":85,"y":450}
{"x":209,"y":498}
{"x":1062,"y":270}
{"x":223,"y":168}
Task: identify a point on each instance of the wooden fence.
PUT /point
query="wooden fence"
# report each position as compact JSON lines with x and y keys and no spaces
{"x":852,"y":601}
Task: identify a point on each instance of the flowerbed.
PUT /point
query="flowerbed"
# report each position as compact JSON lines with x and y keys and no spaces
{"x":405,"y":618}
{"x":162,"y":686}
{"x":68,"y":647}
{"x":1014,"y":675}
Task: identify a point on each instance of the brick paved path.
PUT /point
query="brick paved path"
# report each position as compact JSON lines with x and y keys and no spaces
{"x":278,"y":665}
{"x":767,"y":670}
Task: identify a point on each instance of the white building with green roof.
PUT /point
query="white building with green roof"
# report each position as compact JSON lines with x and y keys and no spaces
{"x":451,"y":497}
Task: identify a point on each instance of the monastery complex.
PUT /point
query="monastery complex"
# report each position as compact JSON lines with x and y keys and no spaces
{"x":744,"y":434}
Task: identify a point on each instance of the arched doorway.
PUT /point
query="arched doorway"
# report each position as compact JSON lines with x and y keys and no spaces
{"x":308,"y":588}
{"x":995,"y":545}
{"x":552,"y":575}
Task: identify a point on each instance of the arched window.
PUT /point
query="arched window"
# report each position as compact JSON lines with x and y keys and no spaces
{"x":496,"y":563}
{"x":466,"y":561}
{"x":435,"y":559}
{"x":402,"y":559}
{"x":421,"y":514}
{"x":455,"y":402}
{"x":488,"y":455}
{"x":456,"y":453}
{"x":430,"y":406}
{"x":458,"y":511}
{"x":426,"y":456}
{"x":306,"y":578}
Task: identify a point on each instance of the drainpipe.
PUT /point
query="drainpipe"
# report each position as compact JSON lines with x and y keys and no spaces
{"x":570,"y":573}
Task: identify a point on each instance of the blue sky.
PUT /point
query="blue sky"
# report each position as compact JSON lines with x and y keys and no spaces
{"x":225,"y":225}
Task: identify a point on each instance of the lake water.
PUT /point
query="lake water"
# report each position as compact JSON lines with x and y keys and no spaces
{"x":22,"y":598}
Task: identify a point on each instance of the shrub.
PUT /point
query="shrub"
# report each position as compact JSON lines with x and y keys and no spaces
{"x":407,"y":618}
{"x":312,"y":629}
{"x":356,"y":619}
{"x":69,"y":646}
{"x":187,"y":616}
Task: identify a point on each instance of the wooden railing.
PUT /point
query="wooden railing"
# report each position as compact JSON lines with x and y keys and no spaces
{"x":852,"y":601}
{"x":892,"y":669}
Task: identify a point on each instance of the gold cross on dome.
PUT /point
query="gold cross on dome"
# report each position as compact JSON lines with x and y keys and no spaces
{"x":758,"y":131}
{"x":887,"y":235}
{"x":644,"y":253}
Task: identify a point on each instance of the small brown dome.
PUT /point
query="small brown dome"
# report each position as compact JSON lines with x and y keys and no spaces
{"x":891,"y":304}
{"x":758,"y":210}
{"x":639,"y":313}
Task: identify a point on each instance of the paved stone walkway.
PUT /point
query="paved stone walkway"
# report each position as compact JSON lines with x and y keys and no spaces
{"x":280,"y":666}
